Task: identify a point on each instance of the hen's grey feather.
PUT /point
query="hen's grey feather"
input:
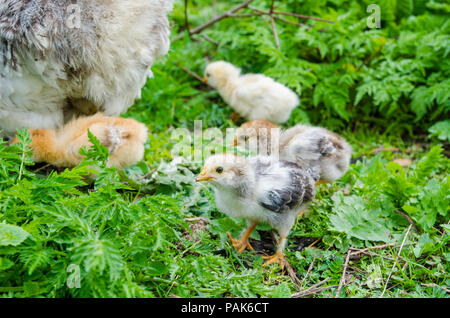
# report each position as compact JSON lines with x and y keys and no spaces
{"x":61,"y":58}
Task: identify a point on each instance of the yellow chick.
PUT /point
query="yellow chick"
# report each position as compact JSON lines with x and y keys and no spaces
{"x":253,"y":96}
{"x":124,"y":138}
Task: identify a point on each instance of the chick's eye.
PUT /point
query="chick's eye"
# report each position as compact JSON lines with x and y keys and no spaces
{"x":219,"y":170}
{"x":207,"y":74}
{"x":245,"y":138}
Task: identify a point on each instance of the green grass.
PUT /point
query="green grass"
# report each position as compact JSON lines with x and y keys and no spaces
{"x":128,"y":234}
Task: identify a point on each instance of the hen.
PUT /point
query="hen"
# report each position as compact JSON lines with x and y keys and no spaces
{"x":59,"y":60}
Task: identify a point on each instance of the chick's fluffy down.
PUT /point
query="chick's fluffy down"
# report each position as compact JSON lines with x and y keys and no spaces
{"x":253,"y":96}
{"x":123,"y":137}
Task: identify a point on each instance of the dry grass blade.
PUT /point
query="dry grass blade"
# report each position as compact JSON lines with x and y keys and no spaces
{"x":393,"y":266}
{"x":313,"y":289}
{"x":342,"y":281}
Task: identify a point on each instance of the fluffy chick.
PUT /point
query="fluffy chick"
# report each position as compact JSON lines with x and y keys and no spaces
{"x":247,"y":135}
{"x":259,"y":189}
{"x":123,"y":137}
{"x":253,"y":96}
{"x":311,"y":147}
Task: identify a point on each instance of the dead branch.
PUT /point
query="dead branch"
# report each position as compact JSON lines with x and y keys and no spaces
{"x":303,"y":16}
{"x":215,"y":20}
{"x":292,"y":22}
{"x":292,"y":275}
{"x":207,"y":38}
{"x":377,"y":247}
{"x":357,"y":252}
{"x":257,"y":12}
{"x":193,"y":74}
{"x":406,"y":216}
{"x":275,"y":34}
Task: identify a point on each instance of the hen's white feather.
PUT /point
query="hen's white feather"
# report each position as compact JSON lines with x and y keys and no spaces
{"x":47,"y":66}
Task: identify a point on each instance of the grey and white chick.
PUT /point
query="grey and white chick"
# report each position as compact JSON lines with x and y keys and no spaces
{"x":253,"y":96}
{"x":259,"y":189}
{"x":312,"y":147}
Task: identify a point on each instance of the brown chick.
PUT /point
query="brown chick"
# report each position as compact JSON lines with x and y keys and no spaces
{"x":123,"y":137}
{"x":316,"y":148}
{"x":247,"y":134}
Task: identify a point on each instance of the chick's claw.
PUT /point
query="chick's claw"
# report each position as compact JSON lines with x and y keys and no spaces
{"x":240,"y":244}
{"x":278,"y":257}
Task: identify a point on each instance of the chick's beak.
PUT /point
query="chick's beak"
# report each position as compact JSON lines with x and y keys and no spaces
{"x":235,"y":141}
{"x":204,"y":80}
{"x":203,"y":176}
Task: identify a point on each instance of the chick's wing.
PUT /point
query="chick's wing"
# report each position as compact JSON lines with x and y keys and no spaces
{"x":284,"y":187}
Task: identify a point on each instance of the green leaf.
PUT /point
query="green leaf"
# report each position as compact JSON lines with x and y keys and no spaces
{"x":353,"y":218}
{"x":31,"y":288}
{"x":98,"y":255}
{"x":424,"y":244}
{"x":157,"y":268}
{"x":441,"y":130}
{"x":12,"y":235}
{"x":282,"y":291}
{"x":5,"y":264}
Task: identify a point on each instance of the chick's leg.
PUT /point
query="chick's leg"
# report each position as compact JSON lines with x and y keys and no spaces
{"x":303,"y":211}
{"x":278,"y":257}
{"x":242,"y":243}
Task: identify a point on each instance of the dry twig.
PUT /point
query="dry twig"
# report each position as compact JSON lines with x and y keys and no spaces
{"x":406,"y":216}
{"x":292,"y":275}
{"x":216,"y":19}
{"x":393,"y":266}
{"x":309,"y":270}
{"x":193,"y":74}
{"x":256,"y":12}
{"x":313,"y":289}
{"x":303,"y":16}
{"x":342,"y":281}
{"x":436,"y":285}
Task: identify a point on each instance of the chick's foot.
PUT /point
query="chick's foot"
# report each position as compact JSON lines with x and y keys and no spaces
{"x":240,"y":244}
{"x":278,"y":257}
